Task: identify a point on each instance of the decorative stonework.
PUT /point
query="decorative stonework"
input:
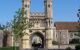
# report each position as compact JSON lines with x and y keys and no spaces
{"x":42,"y":26}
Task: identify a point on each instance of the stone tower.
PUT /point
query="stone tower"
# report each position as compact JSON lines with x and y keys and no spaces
{"x":48,"y":8}
{"x":48,"y":18}
{"x":26,"y":7}
{"x":42,"y":30}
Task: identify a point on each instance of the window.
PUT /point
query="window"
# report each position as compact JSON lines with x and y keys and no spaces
{"x":44,"y":1}
{"x":49,"y":5}
{"x":30,"y":31}
{"x":71,"y":35}
{"x":27,"y":6}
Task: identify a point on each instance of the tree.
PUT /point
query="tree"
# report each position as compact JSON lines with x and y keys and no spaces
{"x":19,"y":24}
{"x":2,"y":27}
{"x":78,"y":15}
{"x":68,"y":48}
{"x":75,"y":41}
{"x":77,"y":47}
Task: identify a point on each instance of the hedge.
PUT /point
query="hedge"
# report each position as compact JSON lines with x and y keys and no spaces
{"x":9,"y":48}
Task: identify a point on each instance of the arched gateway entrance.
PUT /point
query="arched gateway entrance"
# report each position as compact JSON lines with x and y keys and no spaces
{"x":37,"y":40}
{"x":41,"y":33}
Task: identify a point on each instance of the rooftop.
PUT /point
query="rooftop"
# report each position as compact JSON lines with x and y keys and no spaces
{"x":71,"y":26}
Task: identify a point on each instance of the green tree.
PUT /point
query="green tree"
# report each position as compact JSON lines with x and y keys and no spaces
{"x":68,"y":48}
{"x":77,"y":47}
{"x":78,"y":15}
{"x":19,"y":24}
{"x":2,"y":27}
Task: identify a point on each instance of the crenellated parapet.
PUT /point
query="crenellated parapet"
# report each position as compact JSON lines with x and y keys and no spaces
{"x":37,"y":14}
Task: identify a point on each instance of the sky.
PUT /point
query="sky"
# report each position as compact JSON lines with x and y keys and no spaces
{"x":63,"y":10}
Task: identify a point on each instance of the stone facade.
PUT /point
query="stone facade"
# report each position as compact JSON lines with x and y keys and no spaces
{"x":71,"y":28}
{"x":43,"y":31}
{"x":6,"y":38}
{"x":1,"y":38}
{"x":63,"y":36}
{"x":42,"y":25}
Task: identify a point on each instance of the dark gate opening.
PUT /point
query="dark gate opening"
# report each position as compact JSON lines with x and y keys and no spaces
{"x":37,"y":40}
{"x":5,"y":36}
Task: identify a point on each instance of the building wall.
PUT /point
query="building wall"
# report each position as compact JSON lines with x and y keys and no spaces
{"x":63,"y":36}
{"x":73,"y":34}
{"x":6,"y":38}
{"x":1,"y":38}
{"x":10,"y":40}
{"x":42,"y":22}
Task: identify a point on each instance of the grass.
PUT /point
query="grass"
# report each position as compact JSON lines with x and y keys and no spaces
{"x":9,"y":48}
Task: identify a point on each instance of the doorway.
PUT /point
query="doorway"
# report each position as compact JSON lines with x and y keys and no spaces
{"x":37,"y":40}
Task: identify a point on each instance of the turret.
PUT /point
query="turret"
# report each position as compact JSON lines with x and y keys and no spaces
{"x":26,"y":7}
{"x":48,"y":8}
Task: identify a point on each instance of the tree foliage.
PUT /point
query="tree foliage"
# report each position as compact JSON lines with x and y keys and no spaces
{"x":78,"y":27}
{"x":77,"y":47}
{"x":68,"y":48}
{"x":19,"y":24}
{"x":2,"y":27}
{"x":78,"y":15}
{"x":75,"y":41}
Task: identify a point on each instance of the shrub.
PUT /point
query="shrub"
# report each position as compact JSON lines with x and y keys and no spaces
{"x":68,"y":48}
{"x":9,"y":48}
{"x":74,"y":41}
{"x":77,"y":47}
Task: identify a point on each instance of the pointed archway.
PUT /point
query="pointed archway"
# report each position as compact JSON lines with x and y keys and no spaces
{"x":37,"y":40}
